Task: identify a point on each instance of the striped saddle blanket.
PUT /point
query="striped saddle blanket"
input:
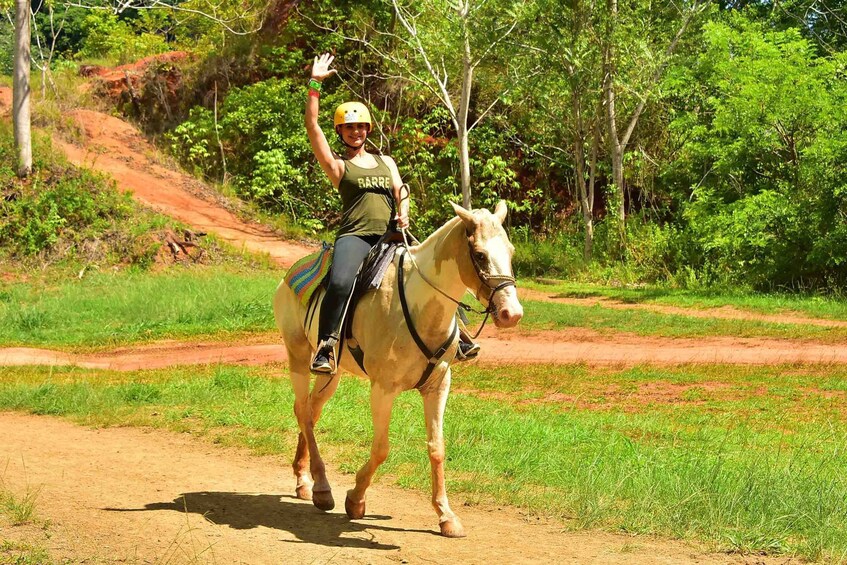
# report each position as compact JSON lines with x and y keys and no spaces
{"x":307,"y":274}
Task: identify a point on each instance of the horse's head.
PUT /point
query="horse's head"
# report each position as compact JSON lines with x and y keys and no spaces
{"x":488,"y":268}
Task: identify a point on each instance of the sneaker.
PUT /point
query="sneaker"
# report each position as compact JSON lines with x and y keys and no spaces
{"x":324,"y":361}
{"x":467,"y":350}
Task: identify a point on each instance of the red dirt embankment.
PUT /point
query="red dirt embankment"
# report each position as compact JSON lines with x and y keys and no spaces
{"x":114,"y":147}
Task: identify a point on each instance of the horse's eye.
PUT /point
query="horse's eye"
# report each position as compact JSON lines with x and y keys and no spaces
{"x":480,"y":257}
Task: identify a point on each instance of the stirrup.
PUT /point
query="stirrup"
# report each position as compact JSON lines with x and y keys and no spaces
{"x":467,"y":350}
{"x":324,"y":361}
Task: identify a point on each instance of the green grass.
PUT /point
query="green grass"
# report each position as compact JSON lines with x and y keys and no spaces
{"x":547,"y":315}
{"x":18,"y":508}
{"x":106,"y":308}
{"x":745,"y":459}
{"x":22,"y":553}
{"x":818,"y":306}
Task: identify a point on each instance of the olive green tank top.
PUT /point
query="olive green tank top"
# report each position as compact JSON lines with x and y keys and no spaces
{"x":367,"y":199}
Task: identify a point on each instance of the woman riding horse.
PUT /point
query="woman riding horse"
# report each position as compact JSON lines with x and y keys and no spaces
{"x":371,"y":191}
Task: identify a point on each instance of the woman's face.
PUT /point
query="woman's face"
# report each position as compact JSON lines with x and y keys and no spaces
{"x":354,"y":134}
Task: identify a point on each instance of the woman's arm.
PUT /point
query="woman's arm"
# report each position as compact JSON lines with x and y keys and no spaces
{"x":401,"y":193}
{"x":333,"y":167}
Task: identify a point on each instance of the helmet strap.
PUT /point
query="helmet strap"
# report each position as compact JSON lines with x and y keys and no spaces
{"x":344,"y":143}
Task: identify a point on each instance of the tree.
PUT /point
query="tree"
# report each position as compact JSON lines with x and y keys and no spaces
{"x":21,"y":113}
{"x":439,"y":45}
{"x":763,"y":163}
{"x":564,"y":103}
{"x":237,"y":18}
{"x":647,"y":28}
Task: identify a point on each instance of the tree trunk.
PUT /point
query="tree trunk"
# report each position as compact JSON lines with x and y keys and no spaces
{"x":616,"y":148}
{"x":585,"y":204}
{"x":592,"y":182}
{"x":464,"y":106}
{"x":21,"y":89}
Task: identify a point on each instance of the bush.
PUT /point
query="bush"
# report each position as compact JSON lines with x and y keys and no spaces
{"x":63,"y":213}
{"x":118,"y":39}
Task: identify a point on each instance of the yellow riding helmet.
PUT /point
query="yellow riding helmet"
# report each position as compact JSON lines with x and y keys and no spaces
{"x":352,"y":113}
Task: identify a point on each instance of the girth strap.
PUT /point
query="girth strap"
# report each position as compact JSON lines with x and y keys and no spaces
{"x":433,"y":357}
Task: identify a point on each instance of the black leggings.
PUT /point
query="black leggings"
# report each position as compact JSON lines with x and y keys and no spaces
{"x":347,"y":257}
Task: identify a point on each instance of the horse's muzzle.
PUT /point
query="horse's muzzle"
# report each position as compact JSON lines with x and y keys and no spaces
{"x":508,"y":311}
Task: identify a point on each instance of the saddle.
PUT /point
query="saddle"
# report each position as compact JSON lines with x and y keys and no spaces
{"x":309,"y":274}
{"x":370,"y":277}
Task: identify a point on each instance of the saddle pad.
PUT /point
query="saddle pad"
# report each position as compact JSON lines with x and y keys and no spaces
{"x":306,"y":275}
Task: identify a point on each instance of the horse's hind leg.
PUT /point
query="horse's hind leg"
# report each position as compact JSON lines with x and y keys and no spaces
{"x":434,"y":404}
{"x":307,"y":408}
{"x":323,"y":389}
{"x":381,"y":404}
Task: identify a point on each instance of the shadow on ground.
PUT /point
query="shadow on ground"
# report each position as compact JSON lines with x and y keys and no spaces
{"x":242,"y":511}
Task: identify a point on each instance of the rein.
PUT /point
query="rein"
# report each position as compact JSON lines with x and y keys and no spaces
{"x":488,"y":280}
{"x":433,"y":357}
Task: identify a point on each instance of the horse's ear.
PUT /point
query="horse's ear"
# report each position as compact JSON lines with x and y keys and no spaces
{"x":466,"y":216}
{"x":501,"y":210}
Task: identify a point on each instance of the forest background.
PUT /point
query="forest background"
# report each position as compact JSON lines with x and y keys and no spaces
{"x":693,"y":144}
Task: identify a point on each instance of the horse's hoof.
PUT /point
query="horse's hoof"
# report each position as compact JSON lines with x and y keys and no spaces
{"x":355,"y":510}
{"x":323,"y":500}
{"x":304,"y":492}
{"x":452,"y":528}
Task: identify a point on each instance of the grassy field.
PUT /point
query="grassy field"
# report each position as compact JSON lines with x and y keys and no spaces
{"x":818,"y":306}
{"x":745,"y":459}
{"x":106,"y":309}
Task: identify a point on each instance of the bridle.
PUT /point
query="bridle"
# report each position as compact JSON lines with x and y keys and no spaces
{"x":494,"y":283}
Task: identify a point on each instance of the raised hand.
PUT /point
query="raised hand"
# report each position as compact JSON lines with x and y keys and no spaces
{"x":320,"y":68}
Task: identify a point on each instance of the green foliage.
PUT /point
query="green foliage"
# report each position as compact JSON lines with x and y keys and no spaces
{"x":118,"y":39}
{"x":267,"y":152}
{"x":7,"y":57}
{"x":765,"y":152}
{"x":58,"y":202}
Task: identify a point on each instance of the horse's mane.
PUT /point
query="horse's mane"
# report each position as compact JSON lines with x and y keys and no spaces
{"x":438,"y":234}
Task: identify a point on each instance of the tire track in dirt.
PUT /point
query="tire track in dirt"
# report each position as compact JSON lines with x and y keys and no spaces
{"x":127,"y":494}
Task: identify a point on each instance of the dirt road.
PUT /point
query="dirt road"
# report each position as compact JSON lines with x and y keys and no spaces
{"x":499,"y":348}
{"x":127,"y":495}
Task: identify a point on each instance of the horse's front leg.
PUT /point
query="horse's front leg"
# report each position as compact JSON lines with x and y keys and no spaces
{"x":381,"y":404}
{"x":323,"y":389}
{"x":435,"y":400}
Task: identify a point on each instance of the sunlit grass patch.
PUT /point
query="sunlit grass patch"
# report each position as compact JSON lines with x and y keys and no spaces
{"x":108,"y":309}
{"x":17,"y":507}
{"x":23,"y":553}
{"x":748,"y":459}
{"x":551,"y":315}
{"x":823,"y":306}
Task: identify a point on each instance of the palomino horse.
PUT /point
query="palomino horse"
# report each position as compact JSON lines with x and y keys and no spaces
{"x":471,"y":251}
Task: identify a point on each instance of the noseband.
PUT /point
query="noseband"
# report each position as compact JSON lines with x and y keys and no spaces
{"x":495,"y":283}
